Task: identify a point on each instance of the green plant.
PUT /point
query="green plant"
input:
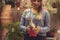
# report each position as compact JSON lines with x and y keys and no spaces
{"x":14,"y":32}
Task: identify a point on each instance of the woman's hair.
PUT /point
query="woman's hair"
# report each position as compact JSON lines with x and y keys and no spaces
{"x":40,"y":7}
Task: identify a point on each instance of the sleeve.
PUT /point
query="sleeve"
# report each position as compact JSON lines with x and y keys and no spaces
{"x":46,"y":27}
{"x":22,"y":22}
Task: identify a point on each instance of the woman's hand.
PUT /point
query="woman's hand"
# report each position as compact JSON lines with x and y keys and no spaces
{"x":27,"y":29}
{"x":37,"y":30}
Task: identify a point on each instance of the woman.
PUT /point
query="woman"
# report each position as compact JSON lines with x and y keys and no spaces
{"x":38,"y":19}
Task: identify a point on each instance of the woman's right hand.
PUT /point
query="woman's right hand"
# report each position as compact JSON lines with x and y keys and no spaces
{"x":27,"y":29}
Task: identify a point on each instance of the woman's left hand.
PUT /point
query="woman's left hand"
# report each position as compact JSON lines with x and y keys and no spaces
{"x":37,"y":30}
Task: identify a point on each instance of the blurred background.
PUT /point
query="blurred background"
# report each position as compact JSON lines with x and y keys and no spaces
{"x":10,"y":14}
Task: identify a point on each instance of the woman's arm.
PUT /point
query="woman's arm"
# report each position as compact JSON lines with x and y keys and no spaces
{"x":22,"y":26}
{"x":22,"y":22}
{"x":46,"y":21}
{"x":46,"y":27}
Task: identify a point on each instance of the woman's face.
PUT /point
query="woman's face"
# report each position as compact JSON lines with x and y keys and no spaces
{"x":36,"y":3}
